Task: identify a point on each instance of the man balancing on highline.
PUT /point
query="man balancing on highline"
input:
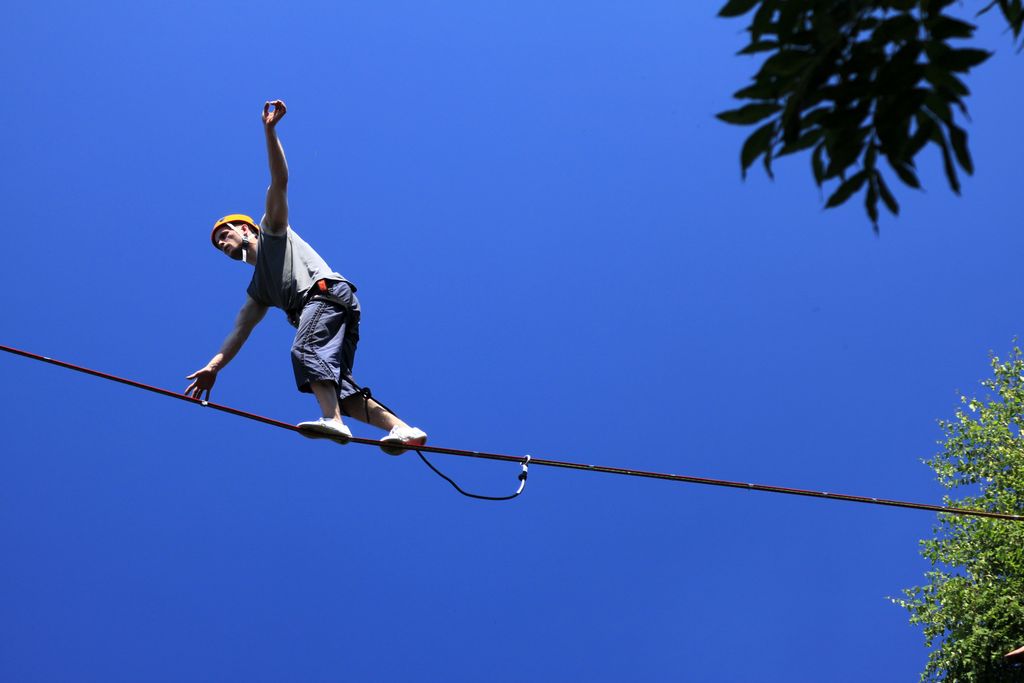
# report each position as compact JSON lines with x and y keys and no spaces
{"x":319,"y":302}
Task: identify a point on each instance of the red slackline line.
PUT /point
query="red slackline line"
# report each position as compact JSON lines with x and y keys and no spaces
{"x":537,"y":461}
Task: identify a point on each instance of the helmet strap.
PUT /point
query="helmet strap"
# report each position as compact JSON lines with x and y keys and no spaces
{"x":245,"y":245}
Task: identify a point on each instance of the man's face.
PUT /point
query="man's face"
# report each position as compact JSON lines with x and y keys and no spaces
{"x":229,"y":241}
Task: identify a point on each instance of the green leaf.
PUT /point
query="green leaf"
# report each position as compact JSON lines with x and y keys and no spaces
{"x":868,"y":23}
{"x":759,"y":46}
{"x":958,"y":138}
{"x":759,"y":142}
{"x":938,"y":105}
{"x":893,"y":116}
{"x":790,"y":118}
{"x":826,"y":29}
{"x":898,"y":29}
{"x":789,"y":19}
{"x":907,"y":55}
{"x":944,"y":79}
{"x":1014,"y":13}
{"x":871,"y":203}
{"x":751,"y":113}
{"x":787,"y":62}
{"x":890,"y":201}
{"x":846,"y":189}
{"x":737,"y":8}
{"x":962,"y":60}
{"x":906,"y":174}
{"x":762,"y":21}
{"x":870,"y":157}
{"x":902,"y":71}
{"x":817,"y":164}
{"x":808,"y":139}
{"x":947,"y":27}
{"x":803,"y":39}
{"x":947,"y":159}
{"x":813,"y":118}
{"x":844,"y":148}
{"x":925,"y":131}
{"x":757,"y":91}
{"x":935,"y":7}
{"x":892,"y":131}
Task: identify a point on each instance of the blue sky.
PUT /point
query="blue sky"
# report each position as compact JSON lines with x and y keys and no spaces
{"x":556,"y":255}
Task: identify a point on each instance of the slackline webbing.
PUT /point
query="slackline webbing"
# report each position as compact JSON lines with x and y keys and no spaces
{"x":539,"y":461}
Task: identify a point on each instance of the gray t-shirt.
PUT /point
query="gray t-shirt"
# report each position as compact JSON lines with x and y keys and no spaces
{"x":286,"y":267}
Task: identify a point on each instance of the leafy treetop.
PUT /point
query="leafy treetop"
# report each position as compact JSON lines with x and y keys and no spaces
{"x":855,"y":81}
{"x":971,"y":607}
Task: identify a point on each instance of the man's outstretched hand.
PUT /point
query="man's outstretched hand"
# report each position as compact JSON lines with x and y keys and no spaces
{"x":270,"y":118}
{"x":202,"y":380}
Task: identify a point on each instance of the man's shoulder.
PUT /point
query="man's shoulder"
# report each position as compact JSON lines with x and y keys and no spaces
{"x":274,"y":230}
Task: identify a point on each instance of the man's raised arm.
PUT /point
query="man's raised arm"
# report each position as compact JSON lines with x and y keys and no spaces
{"x":248,"y":317}
{"x":277,"y":193}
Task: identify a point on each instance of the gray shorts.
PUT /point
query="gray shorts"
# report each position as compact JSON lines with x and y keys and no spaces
{"x":325,"y":341}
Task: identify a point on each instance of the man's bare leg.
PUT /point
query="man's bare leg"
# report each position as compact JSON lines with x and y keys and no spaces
{"x":400,"y":436}
{"x":327,"y":396}
{"x":358,"y":407}
{"x":330,"y":424}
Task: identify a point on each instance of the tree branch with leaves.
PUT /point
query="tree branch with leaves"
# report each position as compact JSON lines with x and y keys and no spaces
{"x":971,"y":607}
{"x":855,"y":82}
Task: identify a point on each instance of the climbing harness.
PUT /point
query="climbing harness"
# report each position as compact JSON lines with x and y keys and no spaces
{"x":320,"y":291}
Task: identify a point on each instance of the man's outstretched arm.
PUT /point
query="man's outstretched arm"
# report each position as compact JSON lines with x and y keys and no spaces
{"x":277,"y":193}
{"x":248,"y":317}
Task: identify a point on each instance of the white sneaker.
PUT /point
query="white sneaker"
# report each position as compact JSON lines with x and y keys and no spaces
{"x":393,"y":443}
{"x":335,"y":429}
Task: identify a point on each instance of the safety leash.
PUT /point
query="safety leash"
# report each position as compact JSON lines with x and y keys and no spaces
{"x":367,"y":395}
{"x":522,"y":480}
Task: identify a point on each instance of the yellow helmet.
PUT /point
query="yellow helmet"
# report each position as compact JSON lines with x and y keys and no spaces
{"x":231,"y":218}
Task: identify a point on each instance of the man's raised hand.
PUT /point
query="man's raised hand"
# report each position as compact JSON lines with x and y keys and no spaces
{"x":270,"y":118}
{"x":202,"y":380}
